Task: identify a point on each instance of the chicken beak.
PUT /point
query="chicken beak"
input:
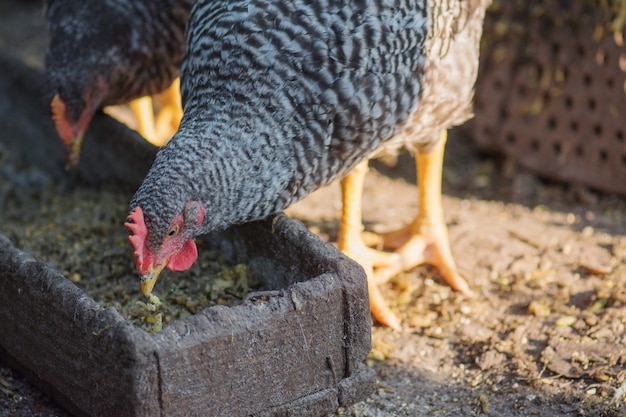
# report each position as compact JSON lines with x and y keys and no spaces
{"x":73,"y":150}
{"x":70,"y":132}
{"x":147,"y":281}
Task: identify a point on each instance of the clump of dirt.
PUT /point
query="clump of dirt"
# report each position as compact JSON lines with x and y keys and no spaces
{"x":80,"y":232}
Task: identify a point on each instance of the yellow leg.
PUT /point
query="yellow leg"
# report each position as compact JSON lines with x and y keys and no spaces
{"x":144,"y":114}
{"x":425,"y":240}
{"x":170,"y":112}
{"x":159,"y":130}
{"x":350,"y":242}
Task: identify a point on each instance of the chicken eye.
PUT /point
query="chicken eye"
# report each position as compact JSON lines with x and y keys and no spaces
{"x":173,"y":231}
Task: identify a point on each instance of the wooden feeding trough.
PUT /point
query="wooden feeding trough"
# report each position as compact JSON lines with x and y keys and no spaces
{"x":294,"y":349}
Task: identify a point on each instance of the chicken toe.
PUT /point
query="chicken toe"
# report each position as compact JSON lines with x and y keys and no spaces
{"x":425,"y":240}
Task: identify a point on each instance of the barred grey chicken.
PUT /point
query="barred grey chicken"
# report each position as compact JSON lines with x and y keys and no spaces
{"x":281,"y":98}
{"x":106,"y":52}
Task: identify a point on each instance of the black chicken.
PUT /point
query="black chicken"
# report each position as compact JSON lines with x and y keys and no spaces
{"x":106,"y":52}
{"x":281,"y":98}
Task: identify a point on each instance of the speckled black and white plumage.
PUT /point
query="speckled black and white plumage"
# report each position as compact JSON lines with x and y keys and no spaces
{"x":283,"y":97}
{"x":136,"y":46}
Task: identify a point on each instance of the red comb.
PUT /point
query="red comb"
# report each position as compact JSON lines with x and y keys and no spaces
{"x":139,"y":233}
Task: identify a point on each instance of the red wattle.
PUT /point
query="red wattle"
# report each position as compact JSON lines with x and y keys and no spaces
{"x":185,"y":258}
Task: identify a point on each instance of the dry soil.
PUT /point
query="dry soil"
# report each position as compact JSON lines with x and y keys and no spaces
{"x":544,"y":334}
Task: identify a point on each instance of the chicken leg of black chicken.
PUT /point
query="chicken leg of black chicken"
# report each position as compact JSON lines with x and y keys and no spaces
{"x":424,"y":240}
{"x":143,"y":111}
{"x":159,"y":128}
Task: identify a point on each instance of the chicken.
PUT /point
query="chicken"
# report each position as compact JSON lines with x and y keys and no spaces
{"x":281,"y":98}
{"x":107,"y":52}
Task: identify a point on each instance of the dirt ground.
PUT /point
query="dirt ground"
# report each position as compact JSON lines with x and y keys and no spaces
{"x":543,"y":336}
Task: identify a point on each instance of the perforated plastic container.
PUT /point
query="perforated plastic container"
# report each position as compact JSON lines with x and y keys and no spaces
{"x":551,"y":90}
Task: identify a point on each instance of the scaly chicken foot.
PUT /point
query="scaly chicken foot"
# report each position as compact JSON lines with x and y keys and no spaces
{"x":425,"y":243}
{"x":351,"y":244}
{"x":425,"y":240}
